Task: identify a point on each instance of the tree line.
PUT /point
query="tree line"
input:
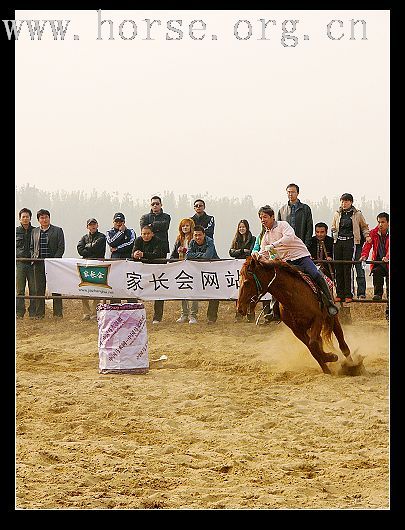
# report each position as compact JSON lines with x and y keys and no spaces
{"x":70,"y":210}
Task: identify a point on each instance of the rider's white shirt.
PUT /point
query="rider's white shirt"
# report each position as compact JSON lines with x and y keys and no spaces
{"x":287,"y":244}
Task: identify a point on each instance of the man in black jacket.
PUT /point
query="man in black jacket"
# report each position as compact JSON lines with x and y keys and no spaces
{"x":24,"y":269}
{"x":321,"y":247}
{"x":90,"y":246}
{"x":121,"y":241}
{"x":148,"y":247}
{"x":120,"y":238}
{"x":158,"y":221}
{"x":47,"y":241}
{"x":201,"y":218}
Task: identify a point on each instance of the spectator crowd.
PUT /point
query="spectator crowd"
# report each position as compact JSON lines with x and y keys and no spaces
{"x":289,"y":236}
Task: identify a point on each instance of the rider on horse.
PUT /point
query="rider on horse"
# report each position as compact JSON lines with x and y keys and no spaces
{"x":278,"y":238}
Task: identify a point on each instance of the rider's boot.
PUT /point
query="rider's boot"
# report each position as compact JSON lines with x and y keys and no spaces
{"x":332,"y":308}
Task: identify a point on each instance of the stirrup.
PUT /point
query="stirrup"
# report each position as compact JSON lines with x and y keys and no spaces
{"x":330,"y":306}
{"x":333,"y":310}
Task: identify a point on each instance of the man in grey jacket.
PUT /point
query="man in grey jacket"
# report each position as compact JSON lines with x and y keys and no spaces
{"x":47,"y":241}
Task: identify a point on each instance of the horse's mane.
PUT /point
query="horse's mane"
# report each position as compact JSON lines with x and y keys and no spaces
{"x":279,"y":264}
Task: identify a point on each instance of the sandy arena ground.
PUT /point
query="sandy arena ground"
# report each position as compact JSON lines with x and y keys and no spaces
{"x":239,"y":417}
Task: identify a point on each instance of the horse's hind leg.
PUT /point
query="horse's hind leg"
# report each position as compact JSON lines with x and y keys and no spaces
{"x":316,"y":346}
{"x":314,"y":349}
{"x":338,"y":332}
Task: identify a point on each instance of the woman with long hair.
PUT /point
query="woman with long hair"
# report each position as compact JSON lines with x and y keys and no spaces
{"x":243,"y":241}
{"x":189,"y":309}
{"x":241,"y":247}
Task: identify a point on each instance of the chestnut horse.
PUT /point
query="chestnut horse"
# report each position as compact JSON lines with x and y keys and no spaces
{"x":299,"y":307}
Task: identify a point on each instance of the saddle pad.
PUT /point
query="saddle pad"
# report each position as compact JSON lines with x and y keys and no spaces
{"x":313,"y":285}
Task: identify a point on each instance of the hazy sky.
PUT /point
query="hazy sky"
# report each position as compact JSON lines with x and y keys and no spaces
{"x":221,"y":117}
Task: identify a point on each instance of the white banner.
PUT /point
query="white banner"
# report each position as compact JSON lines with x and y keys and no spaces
{"x":188,"y":280}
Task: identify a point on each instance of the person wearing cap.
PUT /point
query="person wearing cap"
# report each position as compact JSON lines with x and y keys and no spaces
{"x":121,"y":242}
{"x":120,"y":238}
{"x":347,"y":226}
{"x":158,"y":220}
{"x":91,"y":246}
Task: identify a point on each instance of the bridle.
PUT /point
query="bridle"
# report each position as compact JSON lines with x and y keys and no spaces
{"x":260,"y":291}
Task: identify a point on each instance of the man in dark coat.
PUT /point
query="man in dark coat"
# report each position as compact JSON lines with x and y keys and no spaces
{"x":297,"y":214}
{"x":120,"y":238}
{"x":121,"y":242}
{"x":158,"y":221}
{"x":91,"y":246}
{"x":321,"y":247}
{"x":47,"y":241}
{"x":24,"y":269}
{"x":148,"y":247}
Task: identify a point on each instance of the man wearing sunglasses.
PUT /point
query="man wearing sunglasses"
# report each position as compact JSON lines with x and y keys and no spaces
{"x":201,"y":218}
{"x":158,"y":221}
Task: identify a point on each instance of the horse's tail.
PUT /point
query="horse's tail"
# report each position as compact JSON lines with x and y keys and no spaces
{"x":327,"y":329}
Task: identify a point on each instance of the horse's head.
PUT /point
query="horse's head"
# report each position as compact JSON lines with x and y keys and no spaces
{"x":250,"y":286}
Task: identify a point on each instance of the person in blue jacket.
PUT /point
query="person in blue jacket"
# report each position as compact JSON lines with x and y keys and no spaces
{"x":203,"y":247}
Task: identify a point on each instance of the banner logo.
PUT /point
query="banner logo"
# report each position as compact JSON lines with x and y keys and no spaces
{"x":94,"y":275}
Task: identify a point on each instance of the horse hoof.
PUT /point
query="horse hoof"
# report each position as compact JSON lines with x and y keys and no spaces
{"x":330,"y":358}
{"x":353,"y":367}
